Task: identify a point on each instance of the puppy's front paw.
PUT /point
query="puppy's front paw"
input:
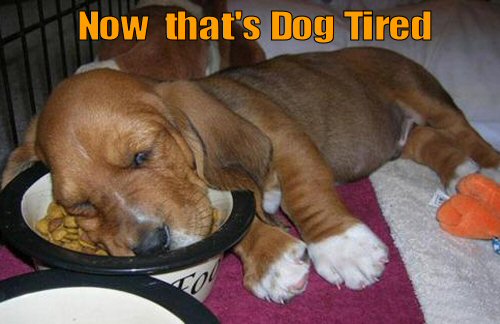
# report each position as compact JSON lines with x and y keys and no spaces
{"x":356,"y":257}
{"x":286,"y":277}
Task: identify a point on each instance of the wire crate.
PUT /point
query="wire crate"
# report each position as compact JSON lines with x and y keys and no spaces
{"x":39,"y":47}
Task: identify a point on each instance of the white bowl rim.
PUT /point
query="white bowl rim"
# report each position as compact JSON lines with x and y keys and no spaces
{"x":177,"y":302}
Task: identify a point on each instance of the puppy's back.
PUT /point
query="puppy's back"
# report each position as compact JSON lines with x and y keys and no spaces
{"x":331,"y":97}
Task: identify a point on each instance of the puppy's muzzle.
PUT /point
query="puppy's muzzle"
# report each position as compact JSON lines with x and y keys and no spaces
{"x":155,"y":241}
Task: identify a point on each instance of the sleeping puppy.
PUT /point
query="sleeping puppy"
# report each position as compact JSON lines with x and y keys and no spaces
{"x":132,"y":157}
{"x":162,"y":59}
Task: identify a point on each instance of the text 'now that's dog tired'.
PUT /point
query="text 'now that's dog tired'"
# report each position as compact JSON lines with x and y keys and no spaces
{"x":364,"y":25}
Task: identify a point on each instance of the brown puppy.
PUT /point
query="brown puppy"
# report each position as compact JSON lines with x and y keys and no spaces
{"x":130,"y":157}
{"x":162,"y":59}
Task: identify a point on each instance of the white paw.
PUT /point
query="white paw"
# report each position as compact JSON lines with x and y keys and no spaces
{"x":286,"y":277}
{"x":272,"y":201}
{"x":463,"y":170}
{"x":492,"y":173}
{"x":357,"y":257}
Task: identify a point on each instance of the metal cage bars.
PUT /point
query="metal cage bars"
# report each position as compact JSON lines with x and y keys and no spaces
{"x":41,"y":26}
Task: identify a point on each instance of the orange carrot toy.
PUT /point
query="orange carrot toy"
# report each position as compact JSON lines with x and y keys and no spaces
{"x":474,"y":212}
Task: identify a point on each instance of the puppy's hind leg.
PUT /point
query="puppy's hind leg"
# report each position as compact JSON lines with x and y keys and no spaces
{"x":449,"y":145}
{"x":431,"y":147}
{"x":480,"y":151}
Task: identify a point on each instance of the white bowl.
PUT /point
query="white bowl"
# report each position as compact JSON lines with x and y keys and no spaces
{"x":193,"y":268}
{"x":61,"y":297}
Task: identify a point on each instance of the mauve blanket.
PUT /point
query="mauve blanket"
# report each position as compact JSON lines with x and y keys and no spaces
{"x":391,"y":300}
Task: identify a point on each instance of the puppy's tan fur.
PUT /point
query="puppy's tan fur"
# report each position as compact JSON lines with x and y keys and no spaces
{"x":294,"y":123}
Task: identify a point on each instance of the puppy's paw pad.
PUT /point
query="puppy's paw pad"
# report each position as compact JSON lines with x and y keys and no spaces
{"x":357,"y":257}
{"x":286,"y":277}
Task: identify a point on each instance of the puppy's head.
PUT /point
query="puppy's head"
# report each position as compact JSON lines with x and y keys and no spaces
{"x":128,"y":161}
{"x":119,"y":165}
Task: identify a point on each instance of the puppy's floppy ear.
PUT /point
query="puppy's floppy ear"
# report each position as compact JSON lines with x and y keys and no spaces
{"x":242,"y":52}
{"x":237,"y":52}
{"x":23,"y":156}
{"x":230,"y":153}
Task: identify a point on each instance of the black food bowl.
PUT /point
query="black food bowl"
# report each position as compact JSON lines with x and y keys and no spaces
{"x":192,"y":268}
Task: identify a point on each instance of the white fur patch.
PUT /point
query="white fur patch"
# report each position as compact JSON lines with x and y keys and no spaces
{"x":272,"y":201}
{"x":189,"y":6}
{"x":180,"y":239}
{"x":286,"y":277}
{"x":407,"y":126}
{"x":357,"y":257}
{"x":107,"y":64}
{"x":213,"y":64}
{"x":463,"y":170}
{"x":492,"y":173}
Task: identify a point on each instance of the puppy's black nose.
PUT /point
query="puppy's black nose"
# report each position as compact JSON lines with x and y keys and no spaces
{"x":153,"y":242}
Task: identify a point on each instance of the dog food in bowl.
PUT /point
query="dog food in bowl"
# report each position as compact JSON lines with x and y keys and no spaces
{"x":60,"y":228}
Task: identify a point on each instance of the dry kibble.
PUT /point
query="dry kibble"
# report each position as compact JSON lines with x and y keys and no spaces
{"x":59,"y":234}
{"x":86,"y":244}
{"x":43,"y":226}
{"x":55,"y":224}
{"x":72,"y":237}
{"x":70,"y":222}
{"x":54,"y":211}
{"x":101,"y":252}
{"x":73,"y":245}
{"x":60,"y":228}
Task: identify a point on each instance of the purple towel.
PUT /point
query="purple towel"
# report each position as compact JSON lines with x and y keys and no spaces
{"x":391,"y":300}
{"x":10,"y":265}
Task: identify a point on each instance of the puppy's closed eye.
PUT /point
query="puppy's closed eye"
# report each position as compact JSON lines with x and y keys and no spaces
{"x":81,"y":209}
{"x":140,"y":158}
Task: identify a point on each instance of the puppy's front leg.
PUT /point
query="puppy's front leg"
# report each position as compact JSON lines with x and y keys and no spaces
{"x":341,"y":247}
{"x":275,"y":263}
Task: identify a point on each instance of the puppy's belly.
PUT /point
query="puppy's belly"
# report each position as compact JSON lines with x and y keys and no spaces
{"x":355,"y":150}
{"x":355,"y":139}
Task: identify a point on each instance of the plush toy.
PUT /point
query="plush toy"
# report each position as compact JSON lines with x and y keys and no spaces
{"x":474,"y":212}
